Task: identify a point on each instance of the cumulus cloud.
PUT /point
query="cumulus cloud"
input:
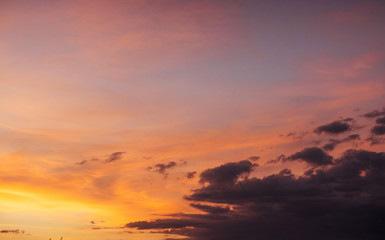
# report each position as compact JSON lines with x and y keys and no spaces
{"x":338,"y":198}
{"x":344,"y":201}
{"x":314,"y":156}
{"x":334,"y":142}
{"x":378,"y":130}
{"x":335,"y":127}
{"x":226,"y":173}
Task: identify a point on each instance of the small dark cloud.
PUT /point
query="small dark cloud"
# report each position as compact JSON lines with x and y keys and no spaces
{"x":87,"y":161}
{"x":162,"y":167}
{"x":308,"y":172}
{"x":331,"y":145}
{"x":226,"y":173}
{"x":16,"y":231}
{"x":316,"y":142}
{"x":348,"y":119}
{"x":374,"y":114}
{"x":380,"y":120}
{"x":277,"y":160}
{"x":334,"y":142}
{"x":374,"y":140}
{"x":191,"y":175}
{"x":164,"y":224}
{"x":253,"y":158}
{"x":98,"y":228}
{"x":335,"y":127}
{"x":314,"y":156}
{"x":378,"y":130}
{"x":210,"y":209}
{"x":114,"y":157}
{"x":296,"y":135}
{"x":82,"y":162}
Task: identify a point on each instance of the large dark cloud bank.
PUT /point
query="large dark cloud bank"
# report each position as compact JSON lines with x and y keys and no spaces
{"x":339,"y":198}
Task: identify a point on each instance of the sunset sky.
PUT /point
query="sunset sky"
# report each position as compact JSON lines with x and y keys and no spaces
{"x":153,"y":119}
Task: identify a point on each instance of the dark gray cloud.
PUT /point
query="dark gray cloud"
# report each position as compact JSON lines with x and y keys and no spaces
{"x":114,"y":157}
{"x":374,"y":140}
{"x":378,"y":130}
{"x":253,"y":158}
{"x":314,"y":156}
{"x":344,"y":201}
{"x":16,"y":231}
{"x":163,"y":167}
{"x":278,"y":159}
{"x":211,"y":209}
{"x":190,"y":175}
{"x":335,"y":127}
{"x":380,"y":120}
{"x":165,"y":223}
{"x":374,"y":114}
{"x":226,"y":173}
{"x":334,"y":142}
{"x":296,"y":135}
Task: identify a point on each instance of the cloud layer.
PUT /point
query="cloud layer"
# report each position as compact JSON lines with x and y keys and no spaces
{"x":345,"y":201}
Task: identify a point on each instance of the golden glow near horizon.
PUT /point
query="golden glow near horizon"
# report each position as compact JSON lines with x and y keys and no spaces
{"x":95,"y":94}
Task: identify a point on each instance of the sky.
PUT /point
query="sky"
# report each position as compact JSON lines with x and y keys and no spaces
{"x":192,"y":119}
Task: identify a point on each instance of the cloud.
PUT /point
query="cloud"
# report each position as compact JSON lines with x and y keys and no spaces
{"x":344,"y":201}
{"x":82,"y":162}
{"x":380,"y":120}
{"x":164,"y":223}
{"x":226,"y":173}
{"x":162,"y":167}
{"x":87,"y":161}
{"x":17,"y":231}
{"x":314,"y":156}
{"x":190,"y":175}
{"x":114,"y":157}
{"x":378,"y":130}
{"x":111,"y":158}
{"x":276,"y":160}
{"x":210,"y":209}
{"x":334,"y":142}
{"x":374,"y":114}
{"x":253,"y":158}
{"x":296,"y":135}
{"x":335,"y":127}
{"x":374,"y":140}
